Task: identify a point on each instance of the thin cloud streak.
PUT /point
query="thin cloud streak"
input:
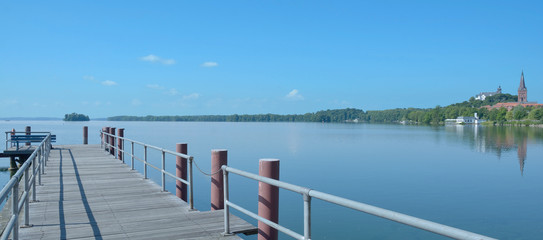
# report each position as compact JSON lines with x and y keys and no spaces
{"x":294,"y":95}
{"x":210,"y":64}
{"x":156,"y":59}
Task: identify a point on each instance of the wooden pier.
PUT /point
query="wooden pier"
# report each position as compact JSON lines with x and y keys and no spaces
{"x":88,"y":194}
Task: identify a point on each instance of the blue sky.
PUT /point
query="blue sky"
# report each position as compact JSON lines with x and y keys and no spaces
{"x":107,"y":58}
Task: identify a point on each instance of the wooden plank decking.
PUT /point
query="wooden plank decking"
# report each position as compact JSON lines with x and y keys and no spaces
{"x":87,"y":194}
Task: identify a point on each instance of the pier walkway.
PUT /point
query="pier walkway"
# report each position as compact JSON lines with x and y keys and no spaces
{"x":88,"y":194}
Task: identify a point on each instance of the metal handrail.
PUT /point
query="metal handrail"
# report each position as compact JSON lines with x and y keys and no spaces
{"x":146,"y":163}
{"x":16,"y":132}
{"x":35,"y":165}
{"x":308,"y":193}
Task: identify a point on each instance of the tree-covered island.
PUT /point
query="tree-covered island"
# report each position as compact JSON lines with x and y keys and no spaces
{"x":76,"y":117}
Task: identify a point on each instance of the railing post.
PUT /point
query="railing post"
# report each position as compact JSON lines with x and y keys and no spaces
{"x":307,"y":216}
{"x":120,"y":152}
{"x":219,"y":157}
{"x":39,"y":169}
{"x":191,"y":189}
{"x":226,"y":199}
{"x":106,"y":139}
{"x":112,"y":141}
{"x":132,"y":156}
{"x":145,"y":162}
{"x":44,"y":151}
{"x":42,"y":158}
{"x":268,"y":199}
{"x":33,"y":179}
{"x":15,"y":210}
{"x":181,"y":171}
{"x":85,"y":135}
{"x":27,"y":200}
{"x":163,"y":174}
{"x":28,"y":131}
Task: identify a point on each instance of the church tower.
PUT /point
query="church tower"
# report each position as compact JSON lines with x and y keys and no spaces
{"x":522,"y":91}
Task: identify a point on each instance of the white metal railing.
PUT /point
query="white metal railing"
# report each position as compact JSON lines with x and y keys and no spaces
{"x":10,"y":133}
{"x":111,"y":144}
{"x":32,"y":167}
{"x":307,"y":194}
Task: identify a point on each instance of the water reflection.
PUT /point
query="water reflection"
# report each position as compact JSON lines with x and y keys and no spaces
{"x":498,"y":140}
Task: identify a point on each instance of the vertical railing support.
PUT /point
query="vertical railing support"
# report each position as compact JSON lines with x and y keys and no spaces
{"x":112,"y":141}
{"x":102,"y":137}
{"x":226,"y":207}
{"x":85,"y":135}
{"x":39,"y":169}
{"x":42,"y":158}
{"x":33,"y":179}
{"x":191,"y":183}
{"x":163,"y":174}
{"x":219,"y":157}
{"x":132,"y":156}
{"x":106,"y":138}
{"x":27,"y":200}
{"x":28,"y":131}
{"x":15,"y":210}
{"x":144,"y":162}
{"x":268,"y":199}
{"x":120,"y":145}
{"x":181,"y":171}
{"x":307,"y":216}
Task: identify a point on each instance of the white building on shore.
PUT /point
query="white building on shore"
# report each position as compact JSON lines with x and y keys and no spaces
{"x":465,"y":120}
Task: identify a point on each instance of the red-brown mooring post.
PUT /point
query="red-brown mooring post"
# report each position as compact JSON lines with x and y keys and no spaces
{"x":106,"y":139}
{"x":112,"y":141}
{"x":181,"y":171}
{"x":219,"y":157}
{"x":268,"y":199}
{"x":85,"y":135}
{"x":27,"y":132}
{"x":120,"y":133}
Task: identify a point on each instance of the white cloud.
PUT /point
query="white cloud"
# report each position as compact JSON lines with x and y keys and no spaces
{"x":294,"y":95}
{"x":210,"y":64}
{"x":172,"y":92}
{"x":157,"y":59}
{"x":155,"y":86}
{"x":136,"y":102}
{"x":87,"y":77}
{"x":191,"y":96}
{"x":109,"y":83}
{"x":168,"y":61}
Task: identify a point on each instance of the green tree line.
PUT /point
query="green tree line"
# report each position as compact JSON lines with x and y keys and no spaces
{"x":435,"y":115}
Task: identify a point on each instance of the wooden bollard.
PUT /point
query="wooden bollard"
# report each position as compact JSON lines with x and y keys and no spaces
{"x":85,"y":135}
{"x":181,"y":171}
{"x":268,"y":199}
{"x":106,"y":139}
{"x":27,"y":132}
{"x":120,"y":133}
{"x":219,"y":157}
{"x":112,"y":141}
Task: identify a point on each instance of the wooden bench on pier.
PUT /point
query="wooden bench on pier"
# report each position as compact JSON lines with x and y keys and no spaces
{"x":29,"y":139}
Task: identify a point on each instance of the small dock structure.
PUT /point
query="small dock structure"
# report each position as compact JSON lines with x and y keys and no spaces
{"x":91,"y":192}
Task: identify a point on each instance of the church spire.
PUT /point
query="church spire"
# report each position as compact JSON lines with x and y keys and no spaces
{"x":522,"y":91}
{"x":522,"y":84}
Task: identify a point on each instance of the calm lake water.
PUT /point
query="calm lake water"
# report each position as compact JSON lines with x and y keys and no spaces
{"x":482,"y":179}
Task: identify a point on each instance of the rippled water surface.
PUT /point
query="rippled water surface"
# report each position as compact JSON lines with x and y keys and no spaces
{"x":482,"y":179}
